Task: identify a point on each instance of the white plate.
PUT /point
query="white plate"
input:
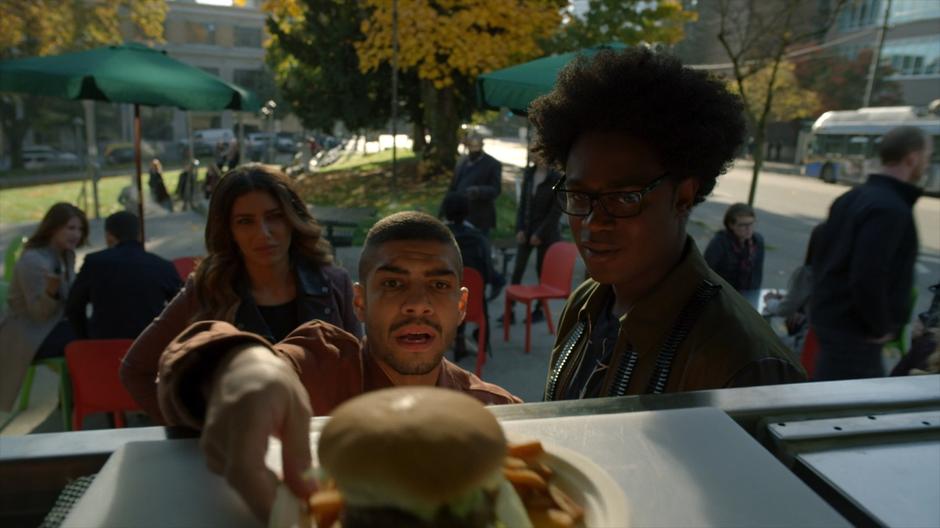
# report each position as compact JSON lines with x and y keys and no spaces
{"x":604,"y":503}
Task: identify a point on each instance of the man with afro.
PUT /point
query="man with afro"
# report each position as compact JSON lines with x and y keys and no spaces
{"x":641,"y":140}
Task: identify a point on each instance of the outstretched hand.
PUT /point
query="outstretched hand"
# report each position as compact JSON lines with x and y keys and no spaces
{"x":254,"y":395}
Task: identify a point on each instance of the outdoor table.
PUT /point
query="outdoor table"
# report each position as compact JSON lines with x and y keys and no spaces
{"x":34,"y":469}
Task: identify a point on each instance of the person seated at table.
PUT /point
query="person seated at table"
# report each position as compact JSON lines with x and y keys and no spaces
{"x":34,"y":326}
{"x":126,"y":286}
{"x":736,"y":253}
{"x":474,"y":250}
{"x":268,"y":269}
{"x":642,"y":140}
{"x":239,"y":389}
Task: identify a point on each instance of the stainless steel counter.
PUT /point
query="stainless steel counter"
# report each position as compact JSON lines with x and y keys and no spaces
{"x":33,"y":469}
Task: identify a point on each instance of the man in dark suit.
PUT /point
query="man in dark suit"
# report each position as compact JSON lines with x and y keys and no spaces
{"x":537,"y":218}
{"x":478,"y":176}
{"x":126,"y":286}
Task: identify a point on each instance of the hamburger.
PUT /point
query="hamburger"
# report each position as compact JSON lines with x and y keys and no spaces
{"x":419,"y":457}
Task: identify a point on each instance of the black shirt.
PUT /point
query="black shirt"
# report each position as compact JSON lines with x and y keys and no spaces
{"x":281,"y":318}
{"x":590,"y":373}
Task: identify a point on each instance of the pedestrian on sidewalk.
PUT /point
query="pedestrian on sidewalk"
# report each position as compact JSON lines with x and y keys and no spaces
{"x":537,"y":218}
{"x":478,"y":176}
{"x":268,"y":269}
{"x":864,"y":271}
{"x":158,"y":191}
{"x":35,"y":327}
{"x":642,"y":139}
{"x":186,"y":186}
{"x":736,"y":253}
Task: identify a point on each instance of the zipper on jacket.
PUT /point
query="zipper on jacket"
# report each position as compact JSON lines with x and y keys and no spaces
{"x":563,"y":361}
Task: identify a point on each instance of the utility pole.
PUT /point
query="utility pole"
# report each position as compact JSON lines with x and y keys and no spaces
{"x":876,"y":57}
{"x":394,"y":95}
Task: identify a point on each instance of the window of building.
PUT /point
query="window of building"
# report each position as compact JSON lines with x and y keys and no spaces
{"x":247,"y":37}
{"x":912,"y":10}
{"x":913,"y":57}
{"x":200,"y":32}
{"x":250,"y":79}
{"x":857,"y":15}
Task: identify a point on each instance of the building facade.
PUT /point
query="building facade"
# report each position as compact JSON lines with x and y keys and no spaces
{"x":911,"y":46}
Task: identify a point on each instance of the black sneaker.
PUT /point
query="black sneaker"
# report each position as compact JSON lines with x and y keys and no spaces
{"x":538,"y":316}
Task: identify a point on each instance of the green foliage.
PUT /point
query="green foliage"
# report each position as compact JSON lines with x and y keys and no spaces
{"x":623,"y":21}
{"x":316,"y":67}
{"x":790,"y":100}
{"x":840,"y":82}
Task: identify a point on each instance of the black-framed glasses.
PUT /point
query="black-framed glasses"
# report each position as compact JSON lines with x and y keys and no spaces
{"x":618,"y":204}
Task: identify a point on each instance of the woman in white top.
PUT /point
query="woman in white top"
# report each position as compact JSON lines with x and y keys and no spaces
{"x":34,"y":326}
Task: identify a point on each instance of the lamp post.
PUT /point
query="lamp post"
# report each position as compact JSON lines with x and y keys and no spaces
{"x":268,"y":112}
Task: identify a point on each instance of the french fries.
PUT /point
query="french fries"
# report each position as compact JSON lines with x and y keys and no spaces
{"x":326,"y":505}
{"x":546,"y":504}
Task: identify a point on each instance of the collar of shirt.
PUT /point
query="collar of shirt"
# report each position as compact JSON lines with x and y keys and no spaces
{"x":652,"y":316}
{"x":907,"y":191}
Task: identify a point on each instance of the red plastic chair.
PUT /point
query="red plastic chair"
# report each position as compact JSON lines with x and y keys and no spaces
{"x":93,"y":366}
{"x":184,"y":266}
{"x":476,"y":313}
{"x":809,"y":352}
{"x":555,"y":283}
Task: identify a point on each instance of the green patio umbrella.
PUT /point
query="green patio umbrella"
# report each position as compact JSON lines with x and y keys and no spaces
{"x":130,"y":73}
{"x":517,"y":86}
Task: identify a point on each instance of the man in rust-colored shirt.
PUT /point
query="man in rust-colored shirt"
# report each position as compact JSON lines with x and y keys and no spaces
{"x":239,"y":389}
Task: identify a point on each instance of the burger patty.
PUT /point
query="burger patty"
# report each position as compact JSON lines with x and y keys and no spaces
{"x":484,"y":517}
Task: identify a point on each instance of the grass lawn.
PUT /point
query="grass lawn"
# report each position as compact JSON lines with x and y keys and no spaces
{"x":360,"y":181}
{"x":29,"y":204}
{"x":367,"y":182}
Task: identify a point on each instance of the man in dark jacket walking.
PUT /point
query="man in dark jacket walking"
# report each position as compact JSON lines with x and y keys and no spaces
{"x":864,"y":270}
{"x":537,"y":218}
{"x":126,"y":286}
{"x":478,"y":176}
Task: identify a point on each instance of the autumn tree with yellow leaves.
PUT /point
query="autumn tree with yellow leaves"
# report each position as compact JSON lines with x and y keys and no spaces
{"x":30,"y":28}
{"x":446,"y":44}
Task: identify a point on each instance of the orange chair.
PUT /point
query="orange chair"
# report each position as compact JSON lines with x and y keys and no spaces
{"x":476,"y":312}
{"x":555,"y":283}
{"x":184,"y":266}
{"x":93,"y":366}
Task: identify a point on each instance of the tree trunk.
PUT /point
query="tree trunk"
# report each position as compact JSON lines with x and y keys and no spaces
{"x":444,"y":124}
{"x":418,"y":144}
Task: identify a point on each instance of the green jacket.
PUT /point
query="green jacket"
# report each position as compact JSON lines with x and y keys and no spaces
{"x":726,"y":344}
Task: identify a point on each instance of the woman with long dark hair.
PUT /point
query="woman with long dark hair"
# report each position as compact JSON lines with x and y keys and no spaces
{"x":34,"y":326}
{"x":267,"y":270}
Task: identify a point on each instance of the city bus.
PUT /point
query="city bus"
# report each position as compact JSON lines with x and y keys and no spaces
{"x":843,"y":144}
